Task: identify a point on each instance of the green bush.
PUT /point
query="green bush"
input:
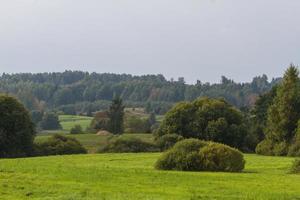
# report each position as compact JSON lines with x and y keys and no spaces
{"x":127,"y":145}
{"x":296,"y":167}
{"x":206,"y":119}
{"x":183,"y":156}
{"x":265,"y":147}
{"x":77,"y":129}
{"x":59,"y":145}
{"x":167,"y":141}
{"x":294,"y":149}
{"x":196,"y":155}
{"x":16,"y":129}
{"x":220,"y":157}
{"x":280,"y":149}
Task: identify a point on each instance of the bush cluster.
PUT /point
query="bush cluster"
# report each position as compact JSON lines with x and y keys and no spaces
{"x":77,"y":129}
{"x":167,"y":141}
{"x":270,"y":148}
{"x":206,"y":119}
{"x":59,"y":145}
{"x":127,"y":145}
{"x":296,"y":167}
{"x":197,"y":155}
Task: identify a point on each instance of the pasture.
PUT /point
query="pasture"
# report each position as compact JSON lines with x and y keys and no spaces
{"x":132,"y":176}
{"x":93,"y":141}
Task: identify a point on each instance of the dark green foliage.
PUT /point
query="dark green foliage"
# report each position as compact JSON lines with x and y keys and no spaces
{"x":294,"y":149}
{"x":136,"y":124}
{"x":282,"y":117}
{"x":99,"y":122}
{"x":127,"y":145}
{"x":116,"y":116}
{"x":296,"y":167}
{"x":75,"y":92}
{"x":197,"y":155}
{"x":265,"y":147}
{"x":50,"y":122}
{"x":77,"y":129}
{"x":36,"y":116}
{"x":16,"y":129}
{"x":184,"y":156}
{"x":284,"y":113}
{"x":59,"y":145}
{"x":167,"y":141}
{"x":219,"y":157}
{"x":207,"y":119}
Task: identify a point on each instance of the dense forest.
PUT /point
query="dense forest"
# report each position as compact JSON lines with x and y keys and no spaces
{"x":74,"y":92}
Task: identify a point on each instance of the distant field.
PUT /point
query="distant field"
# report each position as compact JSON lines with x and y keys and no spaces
{"x":69,"y":121}
{"x":132,"y":177}
{"x":92,"y":141}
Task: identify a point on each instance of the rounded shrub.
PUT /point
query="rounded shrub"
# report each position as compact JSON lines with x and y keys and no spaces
{"x":127,"y":145}
{"x":220,"y":157}
{"x":196,"y":155}
{"x":184,"y":156}
{"x":294,"y":149}
{"x":296,"y":167}
{"x":17,"y":131}
{"x":280,"y":149}
{"x":59,"y":145}
{"x":265,"y":147}
{"x":167,"y":141}
{"x":77,"y":129}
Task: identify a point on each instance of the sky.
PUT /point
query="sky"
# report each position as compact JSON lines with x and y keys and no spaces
{"x":195,"y":39}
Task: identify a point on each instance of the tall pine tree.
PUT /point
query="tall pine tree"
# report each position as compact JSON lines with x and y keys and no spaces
{"x":116,"y":116}
{"x":284,"y":114}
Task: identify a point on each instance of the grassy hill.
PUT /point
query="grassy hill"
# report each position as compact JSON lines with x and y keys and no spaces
{"x":131,"y":176}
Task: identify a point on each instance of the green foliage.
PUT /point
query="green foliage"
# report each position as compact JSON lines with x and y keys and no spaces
{"x":16,"y":128}
{"x":167,"y":141}
{"x":207,"y":119}
{"x":127,"y":145}
{"x":284,"y":113}
{"x":197,"y":155}
{"x":265,"y":147}
{"x":296,"y":167}
{"x":135,"y":124}
{"x":116,"y":116}
{"x":50,"y":121}
{"x":184,"y":156}
{"x":59,"y":145}
{"x":219,"y":157}
{"x":99,"y":122}
{"x":294,"y":149}
{"x":283,"y":116}
{"x":75,"y":92}
{"x":77,"y":129}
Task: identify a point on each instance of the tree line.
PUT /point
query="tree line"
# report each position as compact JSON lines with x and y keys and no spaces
{"x":74,"y":92}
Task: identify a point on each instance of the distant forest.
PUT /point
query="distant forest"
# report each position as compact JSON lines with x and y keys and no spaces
{"x":77,"y":92}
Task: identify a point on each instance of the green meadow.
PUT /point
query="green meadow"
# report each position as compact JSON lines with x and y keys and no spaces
{"x":132,"y":176}
{"x":69,"y":121}
{"x":93,"y":141}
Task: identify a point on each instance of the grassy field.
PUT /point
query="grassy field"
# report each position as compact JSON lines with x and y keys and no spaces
{"x":69,"y":121}
{"x":92,"y":141}
{"x":132,"y":176}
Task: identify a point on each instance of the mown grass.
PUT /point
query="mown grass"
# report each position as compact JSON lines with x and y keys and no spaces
{"x":92,"y":141}
{"x":132,"y":176}
{"x":69,"y":121}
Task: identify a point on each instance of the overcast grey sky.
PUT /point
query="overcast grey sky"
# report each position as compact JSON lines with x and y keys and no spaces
{"x":196,"y":39}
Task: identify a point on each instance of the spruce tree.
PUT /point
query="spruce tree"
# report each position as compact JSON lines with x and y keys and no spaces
{"x":116,"y":116}
{"x":284,"y":114}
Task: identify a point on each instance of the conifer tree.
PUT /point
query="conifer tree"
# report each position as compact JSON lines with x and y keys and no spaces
{"x":284,"y":114}
{"x":116,"y":116}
